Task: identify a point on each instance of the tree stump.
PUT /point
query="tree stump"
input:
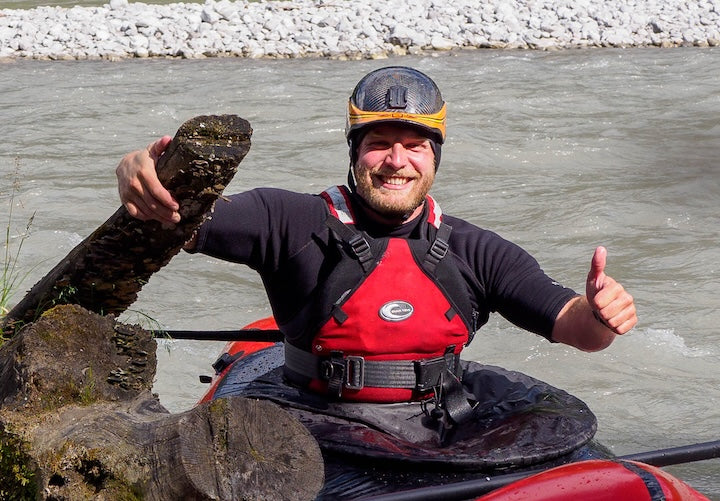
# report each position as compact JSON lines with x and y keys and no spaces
{"x":105,"y":271}
{"x":78,"y":421}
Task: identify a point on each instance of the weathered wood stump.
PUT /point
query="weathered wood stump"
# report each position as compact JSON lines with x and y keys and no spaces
{"x":105,"y":271}
{"x":78,"y":421}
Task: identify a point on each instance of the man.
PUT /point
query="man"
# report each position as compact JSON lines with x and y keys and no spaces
{"x":376,"y":291}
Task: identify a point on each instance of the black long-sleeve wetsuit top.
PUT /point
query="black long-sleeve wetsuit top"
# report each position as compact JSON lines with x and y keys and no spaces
{"x":283,"y":236}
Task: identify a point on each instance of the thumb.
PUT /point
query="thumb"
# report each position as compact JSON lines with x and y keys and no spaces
{"x":596,"y":276}
{"x":158,"y":147}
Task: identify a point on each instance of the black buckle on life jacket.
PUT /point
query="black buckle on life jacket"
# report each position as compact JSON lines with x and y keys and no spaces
{"x":343,"y":372}
{"x":357,"y":242}
{"x":439,"y":249}
{"x":429,"y":373}
{"x":354,"y":372}
{"x":333,"y":371}
{"x":361,"y":248}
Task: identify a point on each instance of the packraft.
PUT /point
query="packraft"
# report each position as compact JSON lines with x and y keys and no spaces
{"x":520,"y":424}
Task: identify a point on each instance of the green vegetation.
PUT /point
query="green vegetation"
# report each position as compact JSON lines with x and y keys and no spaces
{"x":87,"y":474}
{"x":87,"y":393}
{"x":17,"y":480}
{"x":11,"y":277}
{"x":144,"y":320}
{"x":71,"y":392}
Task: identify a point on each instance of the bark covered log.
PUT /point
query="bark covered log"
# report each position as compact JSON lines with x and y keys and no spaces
{"x":105,"y":272}
{"x":78,"y":421}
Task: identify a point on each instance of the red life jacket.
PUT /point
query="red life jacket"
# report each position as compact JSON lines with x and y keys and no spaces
{"x":391,"y":325}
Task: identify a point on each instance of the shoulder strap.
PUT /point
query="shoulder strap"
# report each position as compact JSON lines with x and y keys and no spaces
{"x":439,"y":248}
{"x":357,"y":242}
{"x":341,"y":216}
{"x":339,"y":221}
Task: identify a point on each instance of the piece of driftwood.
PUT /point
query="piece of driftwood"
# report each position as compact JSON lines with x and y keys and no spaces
{"x":105,"y":272}
{"x":78,"y":421}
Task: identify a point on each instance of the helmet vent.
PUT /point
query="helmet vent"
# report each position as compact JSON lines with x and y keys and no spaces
{"x":396,"y":97}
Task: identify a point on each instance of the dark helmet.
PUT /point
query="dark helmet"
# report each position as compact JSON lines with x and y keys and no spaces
{"x":396,"y":94}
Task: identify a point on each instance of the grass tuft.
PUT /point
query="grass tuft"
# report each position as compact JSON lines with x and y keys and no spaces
{"x":11,"y":276}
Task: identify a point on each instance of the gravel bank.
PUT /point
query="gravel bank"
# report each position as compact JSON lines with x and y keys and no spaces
{"x":346,"y":29}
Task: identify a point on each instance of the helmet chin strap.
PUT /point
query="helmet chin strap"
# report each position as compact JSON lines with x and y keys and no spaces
{"x":351,"y":179}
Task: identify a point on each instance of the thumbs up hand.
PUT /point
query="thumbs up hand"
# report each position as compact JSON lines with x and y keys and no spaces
{"x":610,"y":302}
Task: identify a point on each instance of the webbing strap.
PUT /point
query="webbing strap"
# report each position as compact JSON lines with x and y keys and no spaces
{"x":439,"y":247}
{"x":421,"y":375}
{"x":354,"y":239}
{"x":456,"y":402}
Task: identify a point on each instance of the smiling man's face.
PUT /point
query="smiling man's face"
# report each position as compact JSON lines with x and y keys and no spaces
{"x":394,"y":171}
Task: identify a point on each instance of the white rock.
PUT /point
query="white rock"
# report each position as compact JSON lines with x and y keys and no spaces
{"x":101,"y":34}
{"x":441,"y":43}
{"x":272,"y":23}
{"x":227,"y":10}
{"x":138,"y":42}
{"x":331,"y":28}
{"x":210,"y":15}
{"x":400,"y":35}
{"x":118,"y":4}
{"x":618,"y":37}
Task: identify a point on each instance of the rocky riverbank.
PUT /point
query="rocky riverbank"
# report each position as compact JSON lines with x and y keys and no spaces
{"x":343,"y":29}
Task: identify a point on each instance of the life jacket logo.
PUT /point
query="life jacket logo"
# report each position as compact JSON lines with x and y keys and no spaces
{"x":395,"y":311}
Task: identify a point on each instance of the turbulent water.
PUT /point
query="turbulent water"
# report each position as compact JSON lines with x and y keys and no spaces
{"x":557,"y":151}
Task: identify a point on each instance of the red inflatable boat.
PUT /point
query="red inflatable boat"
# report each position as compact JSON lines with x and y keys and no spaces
{"x":605,"y":479}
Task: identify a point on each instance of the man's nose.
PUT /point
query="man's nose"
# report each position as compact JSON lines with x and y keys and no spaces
{"x":397,"y":156}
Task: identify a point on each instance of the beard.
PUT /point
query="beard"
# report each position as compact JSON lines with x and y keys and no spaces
{"x":394,"y":205}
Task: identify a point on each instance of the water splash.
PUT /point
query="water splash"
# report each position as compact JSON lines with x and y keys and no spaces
{"x":669,"y":342}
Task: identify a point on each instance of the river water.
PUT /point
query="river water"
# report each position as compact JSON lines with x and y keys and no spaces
{"x":557,"y":151}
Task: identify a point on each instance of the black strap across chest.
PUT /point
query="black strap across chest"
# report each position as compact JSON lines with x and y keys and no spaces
{"x":361,"y":249}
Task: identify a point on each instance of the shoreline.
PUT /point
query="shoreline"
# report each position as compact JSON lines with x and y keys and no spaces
{"x":338,"y":29}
